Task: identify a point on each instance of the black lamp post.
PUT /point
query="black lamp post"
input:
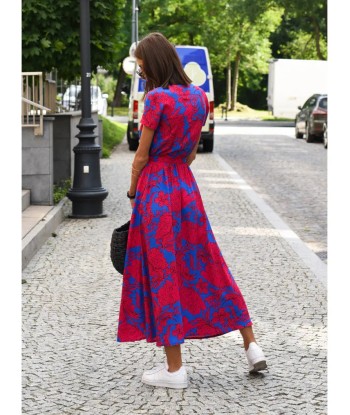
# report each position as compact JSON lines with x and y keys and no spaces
{"x":87,"y":192}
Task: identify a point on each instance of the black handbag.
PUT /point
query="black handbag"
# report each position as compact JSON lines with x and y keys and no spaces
{"x":118,"y":246}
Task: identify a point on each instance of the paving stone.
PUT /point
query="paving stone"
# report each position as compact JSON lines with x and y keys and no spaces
{"x":290,"y":174}
{"x":73,"y":365}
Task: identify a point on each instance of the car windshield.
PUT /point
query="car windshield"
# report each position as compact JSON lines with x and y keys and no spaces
{"x":323,"y":103}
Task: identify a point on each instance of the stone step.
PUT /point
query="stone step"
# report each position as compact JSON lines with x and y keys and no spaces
{"x":25,"y":199}
{"x":38,"y":224}
{"x":31,"y":216}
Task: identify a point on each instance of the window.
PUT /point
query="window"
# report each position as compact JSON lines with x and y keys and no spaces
{"x":312,"y":102}
{"x":308,"y":103}
{"x":323,"y":103}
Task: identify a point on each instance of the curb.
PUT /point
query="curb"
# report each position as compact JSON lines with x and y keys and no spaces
{"x":33,"y":241}
{"x":309,"y":258}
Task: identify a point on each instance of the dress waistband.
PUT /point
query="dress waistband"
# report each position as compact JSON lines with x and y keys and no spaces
{"x":167,"y":159}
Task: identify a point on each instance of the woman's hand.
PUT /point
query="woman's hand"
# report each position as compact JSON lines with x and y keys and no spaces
{"x":193,"y":154}
{"x":132,"y":203}
{"x":189,"y":159}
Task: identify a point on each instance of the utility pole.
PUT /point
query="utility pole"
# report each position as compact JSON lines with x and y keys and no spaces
{"x":135,"y":22}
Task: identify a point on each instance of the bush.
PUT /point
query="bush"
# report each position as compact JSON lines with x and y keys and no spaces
{"x":113,"y":134}
{"x":60,"y":190}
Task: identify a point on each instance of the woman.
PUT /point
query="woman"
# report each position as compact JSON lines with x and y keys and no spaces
{"x":176,"y":284}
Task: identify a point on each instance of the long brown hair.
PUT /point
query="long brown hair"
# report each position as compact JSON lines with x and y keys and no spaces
{"x":161,"y":63}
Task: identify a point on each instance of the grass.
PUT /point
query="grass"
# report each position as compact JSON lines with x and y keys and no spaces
{"x":272,"y":118}
{"x":245,"y":112}
{"x":120,"y":111}
{"x":113,"y":134}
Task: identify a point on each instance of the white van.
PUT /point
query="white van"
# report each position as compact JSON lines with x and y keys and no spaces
{"x":195,"y":61}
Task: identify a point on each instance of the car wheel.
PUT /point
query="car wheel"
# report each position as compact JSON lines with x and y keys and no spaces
{"x":308,"y":136}
{"x":208,"y":145}
{"x":297,"y":133}
{"x":128,"y":132}
{"x":325,"y":138}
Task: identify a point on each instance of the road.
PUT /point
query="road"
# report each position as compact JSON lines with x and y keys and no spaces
{"x":288,"y":173}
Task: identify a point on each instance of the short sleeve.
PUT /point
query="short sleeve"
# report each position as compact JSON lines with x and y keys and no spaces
{"x":152,"y":111}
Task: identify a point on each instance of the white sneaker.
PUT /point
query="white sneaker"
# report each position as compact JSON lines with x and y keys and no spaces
{"x":155,"y":368}
{"x":159,"y":376}
{"x":256,"y":358}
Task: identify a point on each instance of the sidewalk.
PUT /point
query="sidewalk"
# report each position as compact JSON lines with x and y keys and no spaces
{"x":72,"y":364}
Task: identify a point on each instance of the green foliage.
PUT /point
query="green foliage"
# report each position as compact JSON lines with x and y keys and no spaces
{"x":107,"y":85}
{"x":251,"y":30}
{"x":239,"y":37}
{"x":181,"y":21}
{"x":60,"y":190}
{"x":303,"y":32}
{"x":51,"y":39}
{"x":113,"y":134}
{"x":301,"y":46}
{"x":228,"y":28}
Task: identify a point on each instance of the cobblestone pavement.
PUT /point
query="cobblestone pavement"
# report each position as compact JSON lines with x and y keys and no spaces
{"x":73,"y":365}
{"x":290,"y":174}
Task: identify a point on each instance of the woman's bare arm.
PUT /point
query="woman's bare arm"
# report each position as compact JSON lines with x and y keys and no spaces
{"x":192,"y":156}
{"x":141,"y":157}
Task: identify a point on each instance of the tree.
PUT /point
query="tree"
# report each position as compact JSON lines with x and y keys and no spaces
{"x":51,"y":39}
{"x":123,"y":52}
{"x":181,"y":21}
{"x":239,"y":34}
{"x":233,"y":30}
{"x":303,"y":31}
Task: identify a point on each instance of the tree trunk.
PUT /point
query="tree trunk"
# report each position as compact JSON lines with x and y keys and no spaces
{"x":118,"y":89}
{"x":235,"y":81}
{"x":317,"y":39}
{"x":228,"y":84}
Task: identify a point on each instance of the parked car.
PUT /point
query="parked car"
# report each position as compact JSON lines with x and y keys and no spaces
{"x":72,"y":99}
{"x":325,"y":135}
{"x":311,"y":118}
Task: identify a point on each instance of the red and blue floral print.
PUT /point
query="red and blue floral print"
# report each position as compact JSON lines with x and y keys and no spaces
{"x":176,"y":283}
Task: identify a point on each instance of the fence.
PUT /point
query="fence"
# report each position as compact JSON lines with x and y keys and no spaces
{"x":52,"y":95}
{"x":33,"y":101}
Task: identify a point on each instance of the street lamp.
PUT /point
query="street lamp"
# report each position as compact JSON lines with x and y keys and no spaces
{"x":87,"y":192}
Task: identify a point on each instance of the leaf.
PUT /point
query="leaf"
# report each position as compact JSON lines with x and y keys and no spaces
{"x":45,"y":43}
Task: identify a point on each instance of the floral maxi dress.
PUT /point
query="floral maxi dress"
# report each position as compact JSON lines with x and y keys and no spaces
{"x":176,"y":284}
